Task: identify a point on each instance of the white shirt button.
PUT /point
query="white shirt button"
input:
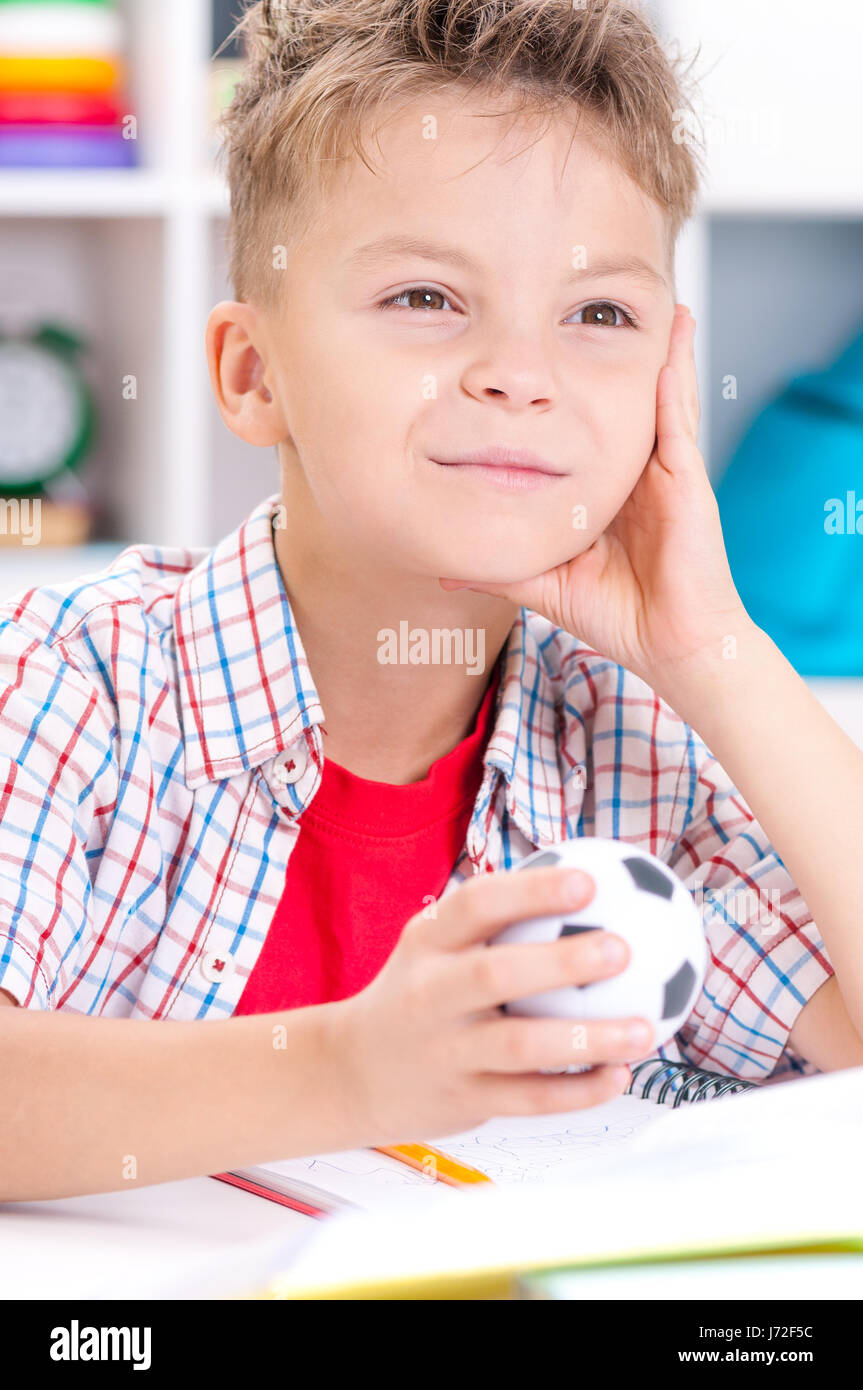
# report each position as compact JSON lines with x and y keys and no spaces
{"x":216,"y":965}
{"x":290,"y":765}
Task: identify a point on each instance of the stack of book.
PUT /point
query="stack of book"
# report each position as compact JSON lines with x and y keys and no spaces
{"x":62,"y":80}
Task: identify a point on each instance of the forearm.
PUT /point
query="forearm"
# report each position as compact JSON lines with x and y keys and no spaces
{"x":97,"y":1105}
{"x":801,"y":775}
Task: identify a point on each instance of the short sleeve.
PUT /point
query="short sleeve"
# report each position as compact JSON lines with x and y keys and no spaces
{"x":766,"y":956}
{"x":55,"y":747}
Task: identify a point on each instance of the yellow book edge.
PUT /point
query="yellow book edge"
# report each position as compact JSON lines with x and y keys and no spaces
{"x":499,"y":1281}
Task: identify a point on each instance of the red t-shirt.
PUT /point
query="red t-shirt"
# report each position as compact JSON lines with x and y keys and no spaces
{"x":367,"y":857}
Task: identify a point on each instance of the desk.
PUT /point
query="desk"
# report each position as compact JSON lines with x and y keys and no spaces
{"x":198,"y":1238}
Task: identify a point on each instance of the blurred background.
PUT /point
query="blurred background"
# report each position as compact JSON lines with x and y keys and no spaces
{"x":112,"y":226}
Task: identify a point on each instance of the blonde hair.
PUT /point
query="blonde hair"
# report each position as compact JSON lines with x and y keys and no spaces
{"x":315,"y":71}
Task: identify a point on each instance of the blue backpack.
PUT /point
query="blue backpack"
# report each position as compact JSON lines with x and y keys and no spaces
{"x":791,"y":506}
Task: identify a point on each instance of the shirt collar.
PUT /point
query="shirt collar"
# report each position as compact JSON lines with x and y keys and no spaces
{"x":246,"y":691}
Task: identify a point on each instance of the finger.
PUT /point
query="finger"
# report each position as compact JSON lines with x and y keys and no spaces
{"x":552,"y":1095}
{"x":485,"y":904}
{"x":681,"y":356}
{"x":675,"y":446}
{"x":694,"y":405}
{"x":533,"y":1044}
{"x":492,"y":975}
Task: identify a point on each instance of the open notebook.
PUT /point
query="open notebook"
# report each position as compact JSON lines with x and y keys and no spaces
{"x":774,"y":1168}
{"x":510,"y":1150}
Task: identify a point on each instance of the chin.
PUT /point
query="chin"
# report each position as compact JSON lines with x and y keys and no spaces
{"x":500,"y":555}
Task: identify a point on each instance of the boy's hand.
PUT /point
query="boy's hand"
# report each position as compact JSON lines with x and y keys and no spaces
{"x":654,"y":591}
{"x":424,"y":1050}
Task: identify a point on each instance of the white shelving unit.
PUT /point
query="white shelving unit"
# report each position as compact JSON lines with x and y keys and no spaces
{"x":136,"y":258}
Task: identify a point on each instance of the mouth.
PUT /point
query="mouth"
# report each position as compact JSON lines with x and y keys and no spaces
{"x":513,"y":469}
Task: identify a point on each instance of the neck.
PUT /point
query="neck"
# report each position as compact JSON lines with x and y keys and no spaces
{"x":395,"y":701}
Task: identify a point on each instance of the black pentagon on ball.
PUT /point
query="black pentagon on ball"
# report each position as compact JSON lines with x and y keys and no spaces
{"x":677,"y":990}
{"x":649,"y":878}
{"x":573,"y":928}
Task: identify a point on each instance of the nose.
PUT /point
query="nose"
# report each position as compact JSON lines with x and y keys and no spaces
{"x":516,"y":375}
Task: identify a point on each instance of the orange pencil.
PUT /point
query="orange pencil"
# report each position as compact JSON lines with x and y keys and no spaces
{"x":436,"y":1162}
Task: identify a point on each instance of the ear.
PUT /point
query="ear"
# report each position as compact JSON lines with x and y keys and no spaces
{"x":236,"y":360}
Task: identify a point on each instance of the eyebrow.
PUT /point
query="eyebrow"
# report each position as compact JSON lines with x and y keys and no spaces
{"x":367,"y":256}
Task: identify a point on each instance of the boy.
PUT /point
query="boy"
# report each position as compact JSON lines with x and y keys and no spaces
{"x":255,"y":781}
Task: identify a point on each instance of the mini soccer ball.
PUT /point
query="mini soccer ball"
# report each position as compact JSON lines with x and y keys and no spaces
{"x":641,"y":899}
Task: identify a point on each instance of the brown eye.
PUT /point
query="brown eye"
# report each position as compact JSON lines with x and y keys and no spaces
{"x":420,"y":299}
{"x":601,"y":314}
{"x":417,"y":297}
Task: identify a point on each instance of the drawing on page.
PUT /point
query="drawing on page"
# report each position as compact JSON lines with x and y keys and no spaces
{"x":572,"y":1147}
{"x":517,"y":1149}
{"x":360,"y":1163}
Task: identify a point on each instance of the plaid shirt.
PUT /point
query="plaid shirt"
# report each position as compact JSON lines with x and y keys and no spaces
{"x":159,"y":740}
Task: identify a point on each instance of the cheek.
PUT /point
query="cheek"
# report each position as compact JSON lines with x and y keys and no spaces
{"x":352,"y":430}
{"x":371,"y":386}
{"x":619,"y":417}
{"x":639,"y":434}
{"x":644,"y":430}
{"x":627,"y":419}
{"x":619,"y":442}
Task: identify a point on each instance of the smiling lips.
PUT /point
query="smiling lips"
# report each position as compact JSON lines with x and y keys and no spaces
{"x":504,"y":467}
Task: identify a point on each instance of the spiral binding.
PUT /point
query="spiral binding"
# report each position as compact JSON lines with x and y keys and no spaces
{"x":679,"y":1073}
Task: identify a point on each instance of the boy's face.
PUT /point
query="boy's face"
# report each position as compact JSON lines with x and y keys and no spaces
{"x":522,"y":349}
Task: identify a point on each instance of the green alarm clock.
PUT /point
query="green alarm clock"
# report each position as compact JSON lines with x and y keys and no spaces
{"x":47,"y":411}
